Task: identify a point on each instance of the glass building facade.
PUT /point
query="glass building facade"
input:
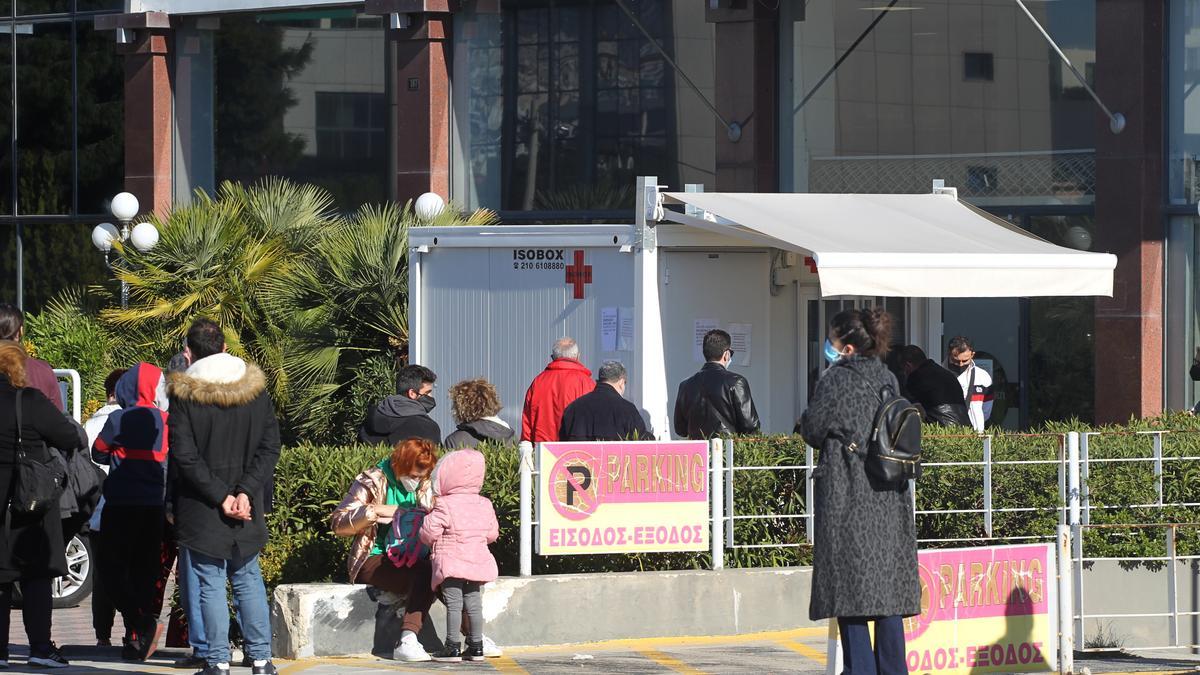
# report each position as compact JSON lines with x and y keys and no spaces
{"x":885,"y":101}
{"x":302,"y":94}
{"x":61,"y":124}
{"x":553,"y":107}
{"x":560,"y":104}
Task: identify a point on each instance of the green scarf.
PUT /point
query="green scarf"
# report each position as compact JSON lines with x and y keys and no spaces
{"x":395,"y":495}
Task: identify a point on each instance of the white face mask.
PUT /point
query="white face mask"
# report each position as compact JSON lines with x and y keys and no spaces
{"x":410,"y":483}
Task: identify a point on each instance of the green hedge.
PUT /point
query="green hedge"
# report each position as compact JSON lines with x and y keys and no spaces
{"x":311,"y":480}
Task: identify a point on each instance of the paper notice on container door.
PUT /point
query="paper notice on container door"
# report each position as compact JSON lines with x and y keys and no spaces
{"x":625,"y":336}
{"x":740,"y":338}
{"x":702,"y":328}
{"x":608,"y":329}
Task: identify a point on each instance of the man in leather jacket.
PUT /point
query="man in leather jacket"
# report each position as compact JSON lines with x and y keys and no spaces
{"x":936,"y":389}
{"x":715,"y":401}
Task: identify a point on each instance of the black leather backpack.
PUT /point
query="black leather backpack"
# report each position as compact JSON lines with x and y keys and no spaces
{"x":893,"y":452}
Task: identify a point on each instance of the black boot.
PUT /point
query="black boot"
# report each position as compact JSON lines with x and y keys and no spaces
{"x":452,"y":652}
{"x":474,"y":651}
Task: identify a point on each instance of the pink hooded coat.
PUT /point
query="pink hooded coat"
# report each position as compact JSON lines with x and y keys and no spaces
{"x":462,"y":522}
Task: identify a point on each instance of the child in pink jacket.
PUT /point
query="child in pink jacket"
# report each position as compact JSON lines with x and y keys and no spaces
{"x":458,"y":532}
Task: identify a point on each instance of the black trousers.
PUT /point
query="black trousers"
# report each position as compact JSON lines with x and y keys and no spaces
{"x":103,"y":611}
{"x":35,"y":611}
{"x":130,"y":559}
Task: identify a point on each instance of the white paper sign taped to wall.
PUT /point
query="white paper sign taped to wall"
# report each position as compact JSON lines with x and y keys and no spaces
{"x":741,"y":338}
{"x":702,"y":326}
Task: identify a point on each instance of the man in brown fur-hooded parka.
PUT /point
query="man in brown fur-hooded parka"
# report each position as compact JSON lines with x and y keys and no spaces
{"x":224,"y":445}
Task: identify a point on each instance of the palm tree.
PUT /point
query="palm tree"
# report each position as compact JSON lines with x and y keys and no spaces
{"x":318,"y":300}
{"x":214,"y":259}
{"x":347,"y":309}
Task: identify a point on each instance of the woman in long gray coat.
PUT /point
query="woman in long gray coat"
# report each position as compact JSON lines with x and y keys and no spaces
{"x":865,"y":552}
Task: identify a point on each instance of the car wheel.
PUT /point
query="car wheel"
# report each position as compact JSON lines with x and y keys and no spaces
{"x":72,"y":589}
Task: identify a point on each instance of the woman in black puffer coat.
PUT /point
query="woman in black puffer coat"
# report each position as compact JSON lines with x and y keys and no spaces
{"x":865,"y":542}
{"x":31,"y":547}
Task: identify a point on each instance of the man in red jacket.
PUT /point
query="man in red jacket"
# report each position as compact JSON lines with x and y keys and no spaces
{"x":563,"y":381}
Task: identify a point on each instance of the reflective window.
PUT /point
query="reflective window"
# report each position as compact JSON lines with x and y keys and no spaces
{"x":68,"y":117}
{"x":963,"y":90}
{"x":29,"y":7}
{"x":100,"y":124}
{"x":561,"y":104}
{"x":1183,"y":100}
{"x":58,"y":257}
{"x":297,"y":94}
{"x":45,"y":161}
{"x":99,"y":5}
{"x":1062,"y":346}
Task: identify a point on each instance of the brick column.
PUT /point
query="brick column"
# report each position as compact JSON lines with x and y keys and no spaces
{"x":747,"y":92}
{"x":1129,"y":219}
{"x":421,"y":51}
{"x":148,"y":140}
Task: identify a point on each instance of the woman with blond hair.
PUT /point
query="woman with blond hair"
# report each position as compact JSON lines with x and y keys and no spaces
{"x":475,"y":405}
{"x":31,"y":546}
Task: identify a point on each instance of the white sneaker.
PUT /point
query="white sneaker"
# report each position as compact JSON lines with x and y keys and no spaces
{"x":490,"y":650}
{"x":411,"y":652}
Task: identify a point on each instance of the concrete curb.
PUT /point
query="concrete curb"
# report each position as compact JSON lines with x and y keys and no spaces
{"x":318,"y":620}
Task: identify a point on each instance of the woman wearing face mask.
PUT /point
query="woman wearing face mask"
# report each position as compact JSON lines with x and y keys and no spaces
{"x":399,"y":482}
{"x":865,"y":544}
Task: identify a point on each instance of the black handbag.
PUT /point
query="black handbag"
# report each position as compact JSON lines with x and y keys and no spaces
{"x":893,"y":453}
{"x":39,"y":476}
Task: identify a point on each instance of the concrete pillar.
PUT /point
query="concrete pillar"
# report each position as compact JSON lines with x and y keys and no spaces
{"x":747,"y":92}
{"x":1130,"y":38}
{"x":148,"y":103}
{"x":422,"y":99}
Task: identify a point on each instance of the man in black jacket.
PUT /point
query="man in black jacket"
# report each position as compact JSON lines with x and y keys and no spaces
{"x":604,"y":414}
{"x":405,"y":415}
{"x":224,"y":443}
{"x":715,"y":401}
{"x":934,"y":387}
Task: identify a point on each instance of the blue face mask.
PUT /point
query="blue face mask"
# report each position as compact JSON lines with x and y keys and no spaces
{"x":831,"y":355}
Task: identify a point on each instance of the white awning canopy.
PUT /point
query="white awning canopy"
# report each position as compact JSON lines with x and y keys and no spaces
{"x":921,"y":246}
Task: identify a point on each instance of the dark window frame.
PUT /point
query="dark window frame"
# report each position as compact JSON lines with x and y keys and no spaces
{"x":979,"y":67}
{"x":588,"y":87}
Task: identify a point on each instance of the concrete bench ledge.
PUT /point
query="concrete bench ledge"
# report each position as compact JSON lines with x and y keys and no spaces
{"x":318,"y":620}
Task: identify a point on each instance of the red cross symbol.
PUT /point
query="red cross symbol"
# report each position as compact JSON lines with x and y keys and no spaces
{"x":811,"y":262}
{"x":579,"y":274}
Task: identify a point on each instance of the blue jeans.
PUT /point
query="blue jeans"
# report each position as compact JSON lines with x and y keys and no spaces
{"x":189,"y":597}
{"x":249,"y":593}
{"x":887,"y":657}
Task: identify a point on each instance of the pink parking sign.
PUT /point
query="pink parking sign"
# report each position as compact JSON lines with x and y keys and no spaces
{"x":624,"y":497}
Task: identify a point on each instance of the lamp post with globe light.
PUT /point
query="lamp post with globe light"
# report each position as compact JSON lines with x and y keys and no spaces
{"x":429,"y":206}
{"x":143,"y":236}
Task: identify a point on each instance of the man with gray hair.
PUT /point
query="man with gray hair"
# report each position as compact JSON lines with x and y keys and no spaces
{"x":563,"y":381}
{"x":604,"y":414}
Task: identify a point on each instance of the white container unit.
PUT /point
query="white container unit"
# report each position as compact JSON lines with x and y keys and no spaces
{"x":489,"y":302}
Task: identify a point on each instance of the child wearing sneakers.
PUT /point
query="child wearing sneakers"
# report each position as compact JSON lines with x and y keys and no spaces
{"x":458,"y":531}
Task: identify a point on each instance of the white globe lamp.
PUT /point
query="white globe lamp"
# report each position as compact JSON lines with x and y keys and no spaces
{"x":1079,"y":238}
{"x":103,"y":236}
{"x":144,"y":236}
{"x":429,"y":206}
{"x":124,"y":206}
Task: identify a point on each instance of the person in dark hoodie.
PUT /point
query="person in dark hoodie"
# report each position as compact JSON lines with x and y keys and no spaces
{"x":406,"y":414}
{"x":476,"y":404}
{"x":133,"y":443}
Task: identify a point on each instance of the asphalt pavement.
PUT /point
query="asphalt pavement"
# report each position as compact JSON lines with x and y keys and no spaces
{"x":796,"y":651}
